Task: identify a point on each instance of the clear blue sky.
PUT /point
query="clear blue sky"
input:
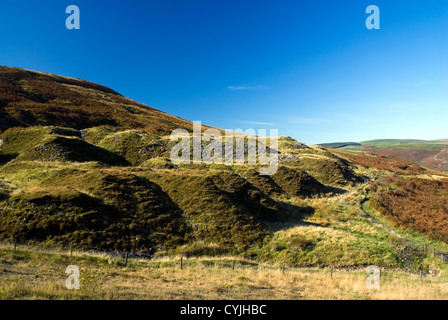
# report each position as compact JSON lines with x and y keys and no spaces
{"x":309,"y":68}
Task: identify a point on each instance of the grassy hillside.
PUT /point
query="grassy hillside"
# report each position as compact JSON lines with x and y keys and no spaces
{"x":81,"y":165}
{"x":29,"y":98}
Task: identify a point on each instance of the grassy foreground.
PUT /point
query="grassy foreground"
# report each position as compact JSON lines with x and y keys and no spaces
{"x":30,"y":274}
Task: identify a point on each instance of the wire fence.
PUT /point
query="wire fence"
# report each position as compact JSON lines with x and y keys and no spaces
{"x":69,"y":248}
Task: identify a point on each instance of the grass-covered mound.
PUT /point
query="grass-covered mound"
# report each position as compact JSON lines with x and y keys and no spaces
{"x":216,"y":206}
{"x":69,"y":216}
{"x":224,"y":208}
{"x":329,"y":168}
{"x":135,"y":146}
{"x":298,"y":183}
{"x":53,"y":144}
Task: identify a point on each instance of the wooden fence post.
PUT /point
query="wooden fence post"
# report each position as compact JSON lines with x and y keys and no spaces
{"x":181,"y":262}
{"x":126,"y":259}
{"x":233,"y":265}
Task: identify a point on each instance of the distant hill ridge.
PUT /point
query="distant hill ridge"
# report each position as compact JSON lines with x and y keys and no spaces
{"x":432,"y":154}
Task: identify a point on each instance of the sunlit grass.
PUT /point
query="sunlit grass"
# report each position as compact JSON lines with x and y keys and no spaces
{"x":26,"y":274}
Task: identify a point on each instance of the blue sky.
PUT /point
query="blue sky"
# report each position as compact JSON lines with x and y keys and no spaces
{"x":308,"y":68}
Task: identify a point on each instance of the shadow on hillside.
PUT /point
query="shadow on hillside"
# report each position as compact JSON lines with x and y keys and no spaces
{"x":335,"y":190}
{"x":80,"y":151}
{"x":5,"y":158}
{"x":292,"y":216}
{"x":3,"y":195}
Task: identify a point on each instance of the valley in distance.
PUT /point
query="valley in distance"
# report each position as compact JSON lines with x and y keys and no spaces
{"x":86,"y":179}
{"x":432,"y":154}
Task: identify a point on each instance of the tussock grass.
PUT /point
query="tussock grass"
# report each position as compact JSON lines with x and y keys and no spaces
{"x":205,"y":278}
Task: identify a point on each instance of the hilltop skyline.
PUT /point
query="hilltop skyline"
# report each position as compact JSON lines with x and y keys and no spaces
{"x":315,"y":72}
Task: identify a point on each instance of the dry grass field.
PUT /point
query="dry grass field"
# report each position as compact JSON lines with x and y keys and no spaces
{"x":30,"y":274}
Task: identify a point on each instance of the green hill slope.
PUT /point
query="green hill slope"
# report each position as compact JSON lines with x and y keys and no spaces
{"x":82,"y":165}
